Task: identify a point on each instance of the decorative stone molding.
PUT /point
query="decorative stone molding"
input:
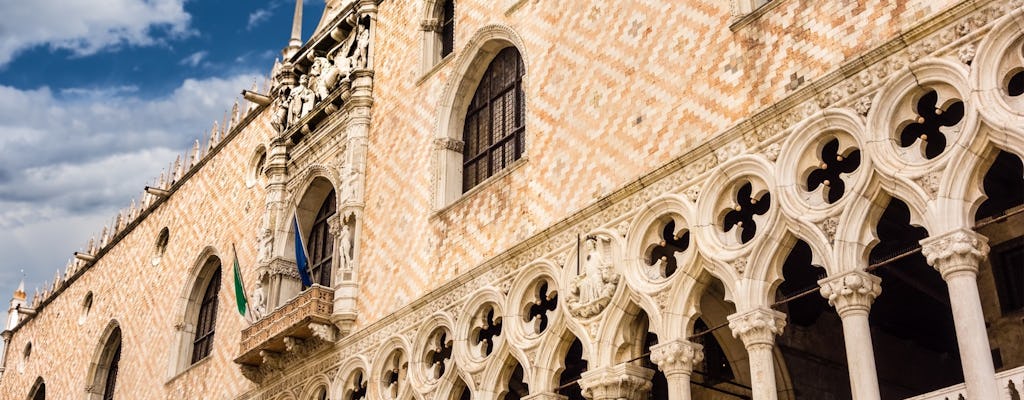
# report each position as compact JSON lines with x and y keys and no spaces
{"x":758,"y":326}
{"x":280,"y":266}
{"x":677,"y":357}
{"x":449,"y":144}
{"x":617,"y":382}
{"x":955,"y":252}
{"x":545,"y":396}
{"x":853,"y":291}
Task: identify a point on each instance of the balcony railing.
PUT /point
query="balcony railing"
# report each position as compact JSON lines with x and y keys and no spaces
{"x":303,"y":317}
{"x":1010,"y":382}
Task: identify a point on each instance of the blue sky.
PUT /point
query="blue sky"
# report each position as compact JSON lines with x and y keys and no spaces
{"x":97,"y":96}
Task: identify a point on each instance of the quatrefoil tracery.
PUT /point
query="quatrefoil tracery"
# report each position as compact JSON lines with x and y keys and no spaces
{"x":486,"y":331}
{"x":829,"y":173}
{"x":439,"y":354}
{"x":744,"y":210}
{"x":931,"y":118}
{"x":541,"y":307}
{"x":662,"y":256}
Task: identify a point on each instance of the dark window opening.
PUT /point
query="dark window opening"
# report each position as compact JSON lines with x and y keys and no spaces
{"x":1008,"y":271}
{"x":465,"y":393}
{"x":833,"y":165}
{"x":911,"y":322}
{"x":494,"y":130}
{"x":1004,"y":186}
{"x":800,"y":276}
{"x":575,"y":365}
{"x":40,"y":393}
{"x":1015,"y":87}
{"x":447,"y":28}
{"x":659,"y":383}
{"x":207,"y":320}
{"x":665,"y":251}
{"x":111,"y":381}
{"x":517,"y":386}
{"x":742,"y":214}
{"x":321,"y":243}
{"x":162,"y":240}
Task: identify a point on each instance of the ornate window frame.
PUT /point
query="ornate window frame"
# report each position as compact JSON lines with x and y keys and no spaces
{"x":206,"y":265}
{"x":458,"y":93}
{"x":437,"y":16}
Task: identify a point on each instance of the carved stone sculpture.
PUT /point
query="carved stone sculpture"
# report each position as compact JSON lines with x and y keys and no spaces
{"x":345,"y":247}
{"x":592,"y":290}
{"x":362,"y":48}
{"x":302,"y":100}
{"x":279,"y":120}
{"x":259,"y":301}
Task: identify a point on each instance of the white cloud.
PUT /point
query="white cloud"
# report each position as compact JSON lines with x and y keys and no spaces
{"x":193,"y":60}
{"x":71,"y":161}
{"x":85,"y":27}
{"x":257,"y":17}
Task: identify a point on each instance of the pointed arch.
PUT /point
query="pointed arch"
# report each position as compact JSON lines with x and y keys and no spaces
{"x":106,"y":362}
{"x":197,"y":312}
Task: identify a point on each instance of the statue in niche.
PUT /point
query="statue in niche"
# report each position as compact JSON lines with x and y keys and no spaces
{"x":351,"y":185}
{"x":279,"y":120}
{"x":593,"y":288}
{"x":345,"y":242}
{"x":302,"y":100}
{"x":259,"y":301}
{"x":362,"y":47}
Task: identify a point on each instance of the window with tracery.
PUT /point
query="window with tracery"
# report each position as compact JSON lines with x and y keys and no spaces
{"x":207,"y":321}
{"x":321,"y":243}
{"x":495,"y":126}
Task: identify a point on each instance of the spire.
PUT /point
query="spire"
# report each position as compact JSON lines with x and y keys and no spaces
{"x":19,"y":293}
{"x":296,"y":40}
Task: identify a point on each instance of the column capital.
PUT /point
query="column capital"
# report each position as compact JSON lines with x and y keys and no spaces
{"x":677,"y":356}
{"x":617,"y":382}
{"x":851,"y":291}
{"x":757,"y":326}
{"x":955,"y":252}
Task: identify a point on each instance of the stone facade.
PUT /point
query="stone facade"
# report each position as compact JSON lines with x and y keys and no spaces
{"x":638,"y":115}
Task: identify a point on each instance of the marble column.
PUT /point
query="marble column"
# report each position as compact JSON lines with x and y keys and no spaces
{"x":852,"y":293}
{"x":956,"y":256}
{"x":617,"y":382}
{"x":676,"y":360}
{"x":757,"y":329}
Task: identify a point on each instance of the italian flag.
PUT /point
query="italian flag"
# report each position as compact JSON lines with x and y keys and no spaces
{"x":240,"y":297}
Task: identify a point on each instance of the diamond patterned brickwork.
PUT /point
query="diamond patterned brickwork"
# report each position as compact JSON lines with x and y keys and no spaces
{"x":613,"y":90}
{"x":213,"y":208}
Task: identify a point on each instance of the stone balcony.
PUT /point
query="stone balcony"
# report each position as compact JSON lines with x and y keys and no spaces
{"x":305,"y":319}
{"x":1011,"y":387}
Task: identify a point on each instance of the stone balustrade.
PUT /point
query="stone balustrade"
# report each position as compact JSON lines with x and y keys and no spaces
{"x":306,"y":316}
{"x":1011,"y":387}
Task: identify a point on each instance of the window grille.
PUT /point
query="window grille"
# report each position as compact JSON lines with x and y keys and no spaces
{"x":321,"y":243}
{"x":495,"y":128}
{"x":207,"y":320}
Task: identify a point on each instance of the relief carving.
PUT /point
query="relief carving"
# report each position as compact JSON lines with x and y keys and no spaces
{"x":596,"y":281}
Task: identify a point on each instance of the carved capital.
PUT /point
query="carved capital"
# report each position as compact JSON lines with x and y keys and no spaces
{"x":955,"y":252}
{"x":677,"y":356}
{"x":758,"y":326}
{"x":617,"y":382}
{"x":852,"y":291}
{"x":280,"y":266}
{"x":449,"y":144}
{"x":334,"y":224}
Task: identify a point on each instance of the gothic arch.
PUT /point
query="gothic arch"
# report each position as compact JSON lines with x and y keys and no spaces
{"x":471,"y":64}
{"x":495,"y":378}
{"x":108,"y":348}
{"x":393,"y":354}
{"x":200,"y":274}
{"x":38,"y":390}
{"x":344,"y":380}
{"x":643,"y":234}
{"x":992,"y":64}
{"x":313,"y":387}
{"x":316,"y":183}
{"x":550,"y":358}
{"x":426,"y":340}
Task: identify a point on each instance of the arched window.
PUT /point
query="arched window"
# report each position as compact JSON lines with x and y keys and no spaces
{"x":438,"y":32}
{"x":111,"y":381}
{"x":207,"y":321}
{"x":86,"y":308}
{"x":321,"y":243}
{"x":495,"y":125}
{"x":38,"y":391}
{"x":106,"y":364}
